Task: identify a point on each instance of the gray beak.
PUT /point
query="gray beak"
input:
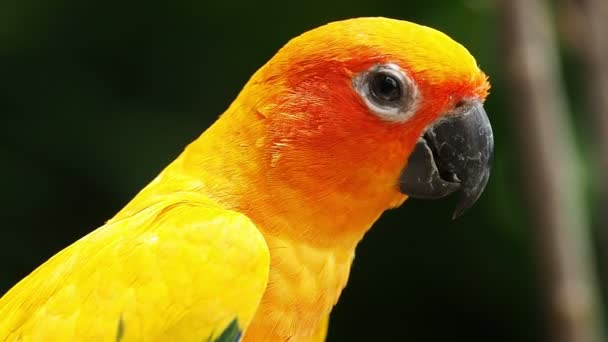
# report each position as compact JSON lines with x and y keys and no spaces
{"x":453,"y":155}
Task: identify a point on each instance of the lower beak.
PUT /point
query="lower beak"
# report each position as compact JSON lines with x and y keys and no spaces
{"x":454,"y":154}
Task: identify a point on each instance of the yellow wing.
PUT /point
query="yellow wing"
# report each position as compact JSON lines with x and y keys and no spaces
{"x":180,"y":270}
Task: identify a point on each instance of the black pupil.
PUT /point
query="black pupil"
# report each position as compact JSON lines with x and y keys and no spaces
{"x":385,"y":87}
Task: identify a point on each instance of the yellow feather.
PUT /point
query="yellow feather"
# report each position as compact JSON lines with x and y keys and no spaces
{"x":179,"y":268}
{"x":259,"y":218}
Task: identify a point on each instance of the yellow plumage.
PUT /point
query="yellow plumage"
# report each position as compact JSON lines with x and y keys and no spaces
{"x":257,"y":221}
{"x":176,"y":268}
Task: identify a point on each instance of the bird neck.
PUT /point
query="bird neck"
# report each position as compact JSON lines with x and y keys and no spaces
{"x":311,"y":223}
{"x":240,"y":169}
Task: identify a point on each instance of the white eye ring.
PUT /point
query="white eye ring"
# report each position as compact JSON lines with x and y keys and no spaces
{"x":388,"y":92}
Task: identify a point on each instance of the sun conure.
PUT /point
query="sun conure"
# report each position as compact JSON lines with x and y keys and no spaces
{"x":250,"y":233}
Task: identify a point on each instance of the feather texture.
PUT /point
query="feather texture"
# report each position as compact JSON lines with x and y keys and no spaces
{"x":255,"y":224}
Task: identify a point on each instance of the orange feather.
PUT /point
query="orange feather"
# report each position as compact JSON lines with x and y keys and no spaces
{"x":300,"y":154}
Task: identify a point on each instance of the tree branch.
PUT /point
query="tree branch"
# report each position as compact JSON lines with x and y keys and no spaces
{"x":550,"y":169}
{"x":592,"y":33}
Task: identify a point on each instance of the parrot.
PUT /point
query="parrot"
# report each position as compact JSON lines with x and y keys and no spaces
{"x":250,"y":233}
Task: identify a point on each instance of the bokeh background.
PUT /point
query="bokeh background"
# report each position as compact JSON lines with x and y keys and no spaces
{"x":98,"y":96}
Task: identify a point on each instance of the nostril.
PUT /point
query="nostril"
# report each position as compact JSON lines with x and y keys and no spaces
{"x":460,"y":104}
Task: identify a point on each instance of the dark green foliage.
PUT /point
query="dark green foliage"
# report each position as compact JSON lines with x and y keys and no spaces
{"x":232,"y":333}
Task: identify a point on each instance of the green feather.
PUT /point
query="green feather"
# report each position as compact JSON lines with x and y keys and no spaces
{"x":232,"y":333}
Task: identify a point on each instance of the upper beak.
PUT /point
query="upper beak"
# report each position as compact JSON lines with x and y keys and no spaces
{"x":454,"y":154}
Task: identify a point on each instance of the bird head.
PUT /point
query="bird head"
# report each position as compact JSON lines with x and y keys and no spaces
{"x":363,"y":113}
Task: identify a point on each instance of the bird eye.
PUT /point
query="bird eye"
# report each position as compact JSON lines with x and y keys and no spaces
{"x":387,"y":92}
{"x":384,"y":88}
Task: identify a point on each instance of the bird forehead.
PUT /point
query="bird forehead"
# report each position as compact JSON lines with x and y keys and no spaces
{"x":355,"y":44}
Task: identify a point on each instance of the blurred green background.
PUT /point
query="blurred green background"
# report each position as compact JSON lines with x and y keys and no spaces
{"x":98,"y":96}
